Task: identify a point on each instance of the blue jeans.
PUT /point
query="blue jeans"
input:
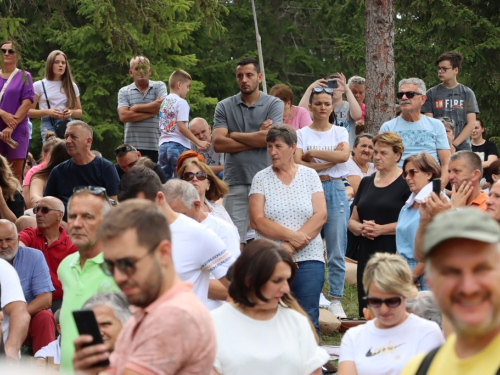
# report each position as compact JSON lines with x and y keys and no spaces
{"x":46,"y":125}
{"x":168,"y":154}
{"x":307,"y":286}
{"x":335,"y":230}
{"x":421,"y":280}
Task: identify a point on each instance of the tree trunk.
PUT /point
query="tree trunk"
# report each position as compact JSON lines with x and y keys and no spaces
{"x":380,"y":96}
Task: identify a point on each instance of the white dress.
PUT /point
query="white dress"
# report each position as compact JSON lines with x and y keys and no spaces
{"x":283,"y":345}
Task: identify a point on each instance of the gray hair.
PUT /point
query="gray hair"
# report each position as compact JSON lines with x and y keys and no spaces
{"x":448,"y":123}
{"x":425,"y":306}
{"x":116,"y":301}
{"x":284,"y":133}
{"x":82,"y":124}
{"x":413,"y":81}
{"x":357,"y":80}
{"x":182,"y":190}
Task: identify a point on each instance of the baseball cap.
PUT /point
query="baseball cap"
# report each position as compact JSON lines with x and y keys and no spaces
{"x":469,"y":223}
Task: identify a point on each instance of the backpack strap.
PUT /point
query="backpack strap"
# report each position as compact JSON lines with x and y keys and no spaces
{"x":426,"y":362}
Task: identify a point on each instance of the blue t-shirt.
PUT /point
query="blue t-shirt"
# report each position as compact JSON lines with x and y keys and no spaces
{"x":33,"y":272}
{"x":406,"y":230}
{"x":425,"y":135}
{"x":67,"y":175}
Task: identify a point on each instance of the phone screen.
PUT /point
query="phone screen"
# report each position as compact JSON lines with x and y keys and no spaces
{"x":87,"y":325}
{"x":333,"y":84}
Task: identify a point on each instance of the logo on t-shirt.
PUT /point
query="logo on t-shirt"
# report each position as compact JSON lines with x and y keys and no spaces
{"x":389,"y":348}
{"x":439,"y":104}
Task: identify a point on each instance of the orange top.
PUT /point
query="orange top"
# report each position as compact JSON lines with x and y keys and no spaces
{"x":480,"y":201}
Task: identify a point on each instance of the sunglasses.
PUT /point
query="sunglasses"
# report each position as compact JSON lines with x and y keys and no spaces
{"x":44,"y":210}
{"x":123,"y":149}
{"x":389,"y":302}
{"x":95,"y":190}
{"x":410,"y":173}
{"x":200,"y":176}
{"x":9,"y":51}
{"x":125,"y":265}
{"x":323,"y":89}
{"x":409,"y":94}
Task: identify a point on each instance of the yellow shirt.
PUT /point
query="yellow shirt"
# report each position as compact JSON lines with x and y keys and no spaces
{"x":486,"y":362}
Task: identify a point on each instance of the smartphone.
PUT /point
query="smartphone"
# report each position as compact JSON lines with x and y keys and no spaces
{"x":333,"y":84}
{"x":436,"y":186}
{"x":87,"y":325}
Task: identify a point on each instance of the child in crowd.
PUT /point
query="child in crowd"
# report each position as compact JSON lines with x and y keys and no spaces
{"x":175,"y":136}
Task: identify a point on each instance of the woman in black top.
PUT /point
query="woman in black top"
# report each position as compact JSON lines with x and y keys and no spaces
{"x":377,"y":204}
{"x":486,"y":150}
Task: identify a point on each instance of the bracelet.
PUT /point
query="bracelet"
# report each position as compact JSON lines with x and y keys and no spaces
{"x":293,"y":248}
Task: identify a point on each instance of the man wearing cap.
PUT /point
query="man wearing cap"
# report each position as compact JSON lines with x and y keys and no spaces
{"x":462,"y":255}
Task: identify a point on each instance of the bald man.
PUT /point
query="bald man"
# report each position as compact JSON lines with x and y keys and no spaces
{"x":51,"y":239}
{"x":201,"y":130}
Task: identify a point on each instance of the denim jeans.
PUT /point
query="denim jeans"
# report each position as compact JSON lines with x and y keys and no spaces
{"x":335,"y":230}
{"x":168,"y":154}
{"x":46,"y":125}
{"x":307,"y":286}
{"x":421,"y":280}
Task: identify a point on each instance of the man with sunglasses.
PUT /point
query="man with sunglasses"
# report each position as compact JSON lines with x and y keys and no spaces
{"x":420,"y":133}
{"x":80,"y":273}
{"x":452,"y":99}
{"x":462,"y":255}
{"x":51,"y":239}
{"x":127,"y":156}
{"x":171,"y":331}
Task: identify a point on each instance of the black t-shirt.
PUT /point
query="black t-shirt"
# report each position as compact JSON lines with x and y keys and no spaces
{"x":16,"y":205}
{"x":486,"y":149}
{"x":156,"y":168}
{"x":383,"y":206}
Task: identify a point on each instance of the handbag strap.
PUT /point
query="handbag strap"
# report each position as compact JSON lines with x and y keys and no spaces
{"x":46,"y":97}
{"x":7,"y":83}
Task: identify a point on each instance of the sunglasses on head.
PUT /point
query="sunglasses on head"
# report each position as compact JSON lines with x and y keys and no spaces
{"x":410,"y":173}
{"x":9,"y":51}
{"x":124,"y":149}
{"x":95,"y":190}
{"x":409,"y":94}
{"x":44,"y":210}
{"x":126,"y":266}
{"x":323,"y":89}
{"x":389,"y":302}
{"x":200,"y":176}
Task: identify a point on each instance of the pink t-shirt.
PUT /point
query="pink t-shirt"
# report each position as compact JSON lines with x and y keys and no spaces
{"x":363,"y":111}
{"x":173,"y":335}
{"x":300,"y":118}
{"x":30,"y":173}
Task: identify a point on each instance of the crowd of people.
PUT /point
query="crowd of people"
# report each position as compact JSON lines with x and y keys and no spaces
{"x":203,"y":249}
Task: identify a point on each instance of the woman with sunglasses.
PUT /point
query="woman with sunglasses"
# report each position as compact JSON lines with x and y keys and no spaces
{"x":16,"y":96}
{"x":263,"y":330}
{"x":287,"y":205}
{"x":210,"y":188}
{"x":418,"y":170}
{"x":385,"y":344}
{"x":377,"y":205}
{"x":57,"y":96}
{"x":325,"y":148}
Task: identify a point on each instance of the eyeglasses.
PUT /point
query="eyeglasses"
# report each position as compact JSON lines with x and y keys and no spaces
{"x":323,"y":89}
{"x":410,"y":173}
{"x":443,"y":69}
{"x":44,"y":210}
{"x":409,"y":94}
{"x":124,"y":149}
{"x":125,"y":265}
{"x":389,"y":302}
{"x":9,"y":51}
{"x":200,"y":176}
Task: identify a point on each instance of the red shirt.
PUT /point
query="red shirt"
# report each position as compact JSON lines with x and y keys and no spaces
{"x":54,"y":254}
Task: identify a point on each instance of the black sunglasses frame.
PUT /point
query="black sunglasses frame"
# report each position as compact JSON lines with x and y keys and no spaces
{"x":44,"y":210}
{"x":409,"y":94}
{"x":125,"y":265}
{"x":389,"y":302}
{"x":10,"y":51}
{"x":189,"y":176}
{"x":124,"y":149}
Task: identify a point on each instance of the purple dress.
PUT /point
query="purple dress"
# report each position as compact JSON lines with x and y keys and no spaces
{"x":16,"y":92}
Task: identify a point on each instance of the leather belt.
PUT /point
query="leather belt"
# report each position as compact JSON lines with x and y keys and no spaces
{"x":324,"y":178}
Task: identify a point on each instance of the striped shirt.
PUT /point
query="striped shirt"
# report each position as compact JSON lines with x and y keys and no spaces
{"x":143,"y":135}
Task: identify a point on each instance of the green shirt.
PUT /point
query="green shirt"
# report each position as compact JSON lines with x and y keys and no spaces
{"x":78,"y":286}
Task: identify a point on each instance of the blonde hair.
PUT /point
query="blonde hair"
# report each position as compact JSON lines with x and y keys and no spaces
{"x":390,"y":273}
{"x":391,"y":139}
{"x":8,"y":181}
{"x":178,"y":76}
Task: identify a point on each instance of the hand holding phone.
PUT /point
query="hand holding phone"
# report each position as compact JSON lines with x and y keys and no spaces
{"x":87,"y":325}
{"x":333,"y":84}
{"x":436,"y":186}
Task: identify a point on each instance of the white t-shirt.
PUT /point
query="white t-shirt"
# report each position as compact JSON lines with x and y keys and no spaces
{"x":290,"y":205}
{"x":173,"y":109}
{"x":51,"y":350}
{"x":10,"y":291}
{"x":378,"y":351}
{"x":354,"y":170}
{"x":57,"y":97}
{"x":231,"y":238}
{"x":283,"y":345}
{"x":197,"y":252}
{"x":308,"y":139}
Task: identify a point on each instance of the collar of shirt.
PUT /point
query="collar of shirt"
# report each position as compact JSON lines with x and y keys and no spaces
{"x":75,"y":262}
{"x":63,"y":236}
{"x":259,"y":102}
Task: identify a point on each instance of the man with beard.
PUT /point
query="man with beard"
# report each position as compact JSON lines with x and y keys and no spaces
{"x":80,"y":273}
{"x":420,"y":133}
{"x":462,"y":255}
{"x":171,"y":331}
{"x":241,"y":123}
